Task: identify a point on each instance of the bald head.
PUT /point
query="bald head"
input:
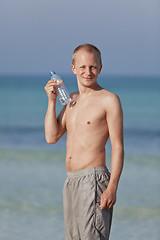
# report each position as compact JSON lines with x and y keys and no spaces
{"x":88,"y":48}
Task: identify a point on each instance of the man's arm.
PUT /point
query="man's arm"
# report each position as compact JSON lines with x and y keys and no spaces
{"x":115,"y":126}
{"x":54,"y":127}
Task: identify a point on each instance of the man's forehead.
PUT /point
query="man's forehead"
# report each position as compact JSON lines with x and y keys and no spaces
{"x":85,"y":51}
{"x":82,"y":53}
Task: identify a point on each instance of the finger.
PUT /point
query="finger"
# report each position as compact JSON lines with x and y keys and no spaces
{"x":60,"y":83}
{"x":50,"y":90}
{"x":52,"y":80}
{"x":52,"y":84}
{"x":110,"y":204}
{"x":102,"y":206}
{"x":103,"y":203}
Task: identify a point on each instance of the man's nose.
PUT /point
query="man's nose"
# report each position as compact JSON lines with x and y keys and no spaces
{"x":88,"y":70}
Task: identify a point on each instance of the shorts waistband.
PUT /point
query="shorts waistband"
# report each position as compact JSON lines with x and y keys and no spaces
{"x":87,"y":171}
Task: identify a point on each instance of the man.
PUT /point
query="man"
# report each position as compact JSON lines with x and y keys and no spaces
{"x":93,"y":115}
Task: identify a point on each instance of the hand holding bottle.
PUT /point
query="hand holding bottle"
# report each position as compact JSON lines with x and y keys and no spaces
{"x":60,"y":89}
{"x":55,"y":87}
{"x":50,"y":89}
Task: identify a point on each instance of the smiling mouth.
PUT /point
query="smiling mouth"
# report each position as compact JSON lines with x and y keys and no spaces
{"x":87,"y":78}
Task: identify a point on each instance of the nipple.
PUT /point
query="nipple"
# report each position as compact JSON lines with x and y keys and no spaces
{"x":88,"y":122}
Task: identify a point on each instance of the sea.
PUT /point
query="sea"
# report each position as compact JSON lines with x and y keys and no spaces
{"x":32,"y":172}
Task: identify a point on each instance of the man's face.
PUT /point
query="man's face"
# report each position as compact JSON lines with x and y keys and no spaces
{"x":86,"y":67}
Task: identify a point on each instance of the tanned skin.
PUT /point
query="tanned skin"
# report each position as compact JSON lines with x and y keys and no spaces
{"x":93,"y":115}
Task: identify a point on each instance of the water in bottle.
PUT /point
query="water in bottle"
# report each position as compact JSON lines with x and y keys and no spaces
{"x":61,"y":90}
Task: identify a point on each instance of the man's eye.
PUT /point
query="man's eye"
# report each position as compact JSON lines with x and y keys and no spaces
{"x":93,"y":67}
{"x":82,"y":67}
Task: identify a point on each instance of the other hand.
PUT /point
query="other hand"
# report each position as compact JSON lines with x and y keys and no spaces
{"x":108,"y":198}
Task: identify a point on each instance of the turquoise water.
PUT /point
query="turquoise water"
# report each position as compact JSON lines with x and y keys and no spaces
{"x":32,"y":172}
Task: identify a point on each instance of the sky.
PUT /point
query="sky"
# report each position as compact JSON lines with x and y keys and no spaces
{"x":37,"y":36}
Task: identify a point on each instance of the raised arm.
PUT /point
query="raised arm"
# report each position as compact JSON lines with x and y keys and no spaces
{"x":115,"y":126}
{"x":54,"y":127}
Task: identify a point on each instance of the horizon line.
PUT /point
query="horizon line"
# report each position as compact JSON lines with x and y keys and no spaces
{"x":64,"y":73}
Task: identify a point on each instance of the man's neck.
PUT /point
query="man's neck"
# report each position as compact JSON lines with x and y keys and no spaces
{"x":83,"y":90}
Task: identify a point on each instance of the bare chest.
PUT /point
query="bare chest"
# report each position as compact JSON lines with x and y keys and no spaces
{"x":83,"y":115}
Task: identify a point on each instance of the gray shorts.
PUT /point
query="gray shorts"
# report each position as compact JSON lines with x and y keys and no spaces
{"x":84,"y":220}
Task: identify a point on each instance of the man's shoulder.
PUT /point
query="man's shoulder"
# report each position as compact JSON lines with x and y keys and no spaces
{"x":110,"y":99}
{"x":110,"y":96}
{"x":74,"y":94}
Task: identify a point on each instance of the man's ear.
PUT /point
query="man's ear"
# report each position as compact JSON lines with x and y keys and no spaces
{"x":100,"y":69}
{"x":73,"y":69}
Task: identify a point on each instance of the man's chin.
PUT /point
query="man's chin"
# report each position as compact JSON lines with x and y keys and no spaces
{"x":88,"y":82}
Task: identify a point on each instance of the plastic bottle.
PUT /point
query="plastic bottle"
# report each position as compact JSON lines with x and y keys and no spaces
{"x":61,"y":90}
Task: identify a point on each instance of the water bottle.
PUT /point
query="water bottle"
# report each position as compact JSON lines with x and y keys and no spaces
{"x":61,"y":90}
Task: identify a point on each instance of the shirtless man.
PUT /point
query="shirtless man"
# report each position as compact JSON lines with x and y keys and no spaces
{"x":93,"y":115}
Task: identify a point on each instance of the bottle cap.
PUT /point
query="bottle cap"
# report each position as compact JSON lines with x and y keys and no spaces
{"x":52,"y":73}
